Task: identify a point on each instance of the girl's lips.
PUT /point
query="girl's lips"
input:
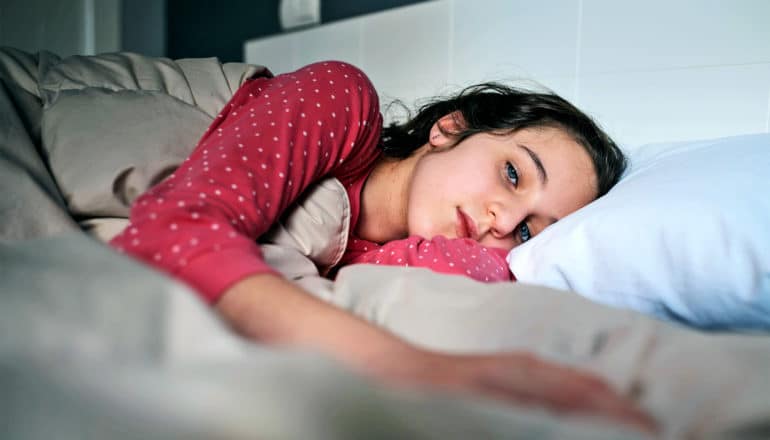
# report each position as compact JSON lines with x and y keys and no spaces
{"x":466,"y":227}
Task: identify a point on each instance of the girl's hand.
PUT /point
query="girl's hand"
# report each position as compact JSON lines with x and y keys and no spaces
{"x":458,"y":256}
{"x":525,"y":379}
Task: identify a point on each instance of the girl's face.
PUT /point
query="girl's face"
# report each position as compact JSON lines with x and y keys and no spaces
{"x":499,"y":190}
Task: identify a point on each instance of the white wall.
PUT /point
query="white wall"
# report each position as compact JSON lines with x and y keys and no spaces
{"x":658,"y":70}
{"x":65,"y":27}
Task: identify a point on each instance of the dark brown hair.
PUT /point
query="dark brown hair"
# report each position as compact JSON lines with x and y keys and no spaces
{"x":501,"y":109}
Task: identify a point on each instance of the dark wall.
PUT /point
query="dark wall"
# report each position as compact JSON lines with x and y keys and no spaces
{"x":202,"y":28}
{"x":144,"y":27}
{"x":332,"y":10}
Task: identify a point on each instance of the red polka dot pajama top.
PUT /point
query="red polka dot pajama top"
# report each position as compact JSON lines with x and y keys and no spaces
{"x":276,"y":137}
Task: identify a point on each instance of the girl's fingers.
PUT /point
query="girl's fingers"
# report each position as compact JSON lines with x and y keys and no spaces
{"x":523,"y":378}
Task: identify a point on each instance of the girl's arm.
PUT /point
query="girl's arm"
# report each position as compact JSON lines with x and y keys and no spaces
{"x":275,"y":138}
{"x":459,"y":256}
{"x":269,"y":309}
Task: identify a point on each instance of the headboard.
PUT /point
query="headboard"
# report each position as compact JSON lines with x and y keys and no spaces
{"x":648,"y":71}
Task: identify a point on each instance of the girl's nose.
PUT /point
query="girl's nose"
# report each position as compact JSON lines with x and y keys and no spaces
{"x":505,"y":218}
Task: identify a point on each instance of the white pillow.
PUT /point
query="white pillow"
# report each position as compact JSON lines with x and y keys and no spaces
{"x":685,"y":236}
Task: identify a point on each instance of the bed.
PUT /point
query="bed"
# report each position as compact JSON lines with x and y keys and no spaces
{"x":95,"y":345}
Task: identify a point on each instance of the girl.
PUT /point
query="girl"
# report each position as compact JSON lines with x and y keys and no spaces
{"x":453,"y":189}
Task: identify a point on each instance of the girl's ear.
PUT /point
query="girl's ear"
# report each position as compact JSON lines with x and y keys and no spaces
{"x":443,"y":133}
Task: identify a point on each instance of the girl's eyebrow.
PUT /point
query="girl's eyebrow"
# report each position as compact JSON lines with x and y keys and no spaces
{"x":538,"y":164}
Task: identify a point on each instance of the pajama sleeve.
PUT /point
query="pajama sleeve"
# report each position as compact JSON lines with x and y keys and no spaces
{"x":275,"y":137}
{"x":460,"y":256}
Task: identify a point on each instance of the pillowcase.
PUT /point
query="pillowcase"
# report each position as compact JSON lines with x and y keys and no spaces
{"x":685,"y":235}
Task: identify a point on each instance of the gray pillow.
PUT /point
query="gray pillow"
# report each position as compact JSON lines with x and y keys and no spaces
{"x":115,"y":124}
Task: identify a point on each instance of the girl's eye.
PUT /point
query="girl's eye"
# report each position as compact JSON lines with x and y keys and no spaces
{"x":511,"y":173}
{"x":524,"y":232}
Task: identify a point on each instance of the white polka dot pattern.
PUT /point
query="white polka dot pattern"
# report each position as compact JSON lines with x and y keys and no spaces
{"x":461,"y":256}
{"x":201,"y":223}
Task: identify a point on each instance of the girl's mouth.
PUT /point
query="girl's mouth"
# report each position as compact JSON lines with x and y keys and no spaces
{"x":466,"y":227}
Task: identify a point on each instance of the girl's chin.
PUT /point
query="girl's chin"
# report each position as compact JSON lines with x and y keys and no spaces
{"x":424,"y":233}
